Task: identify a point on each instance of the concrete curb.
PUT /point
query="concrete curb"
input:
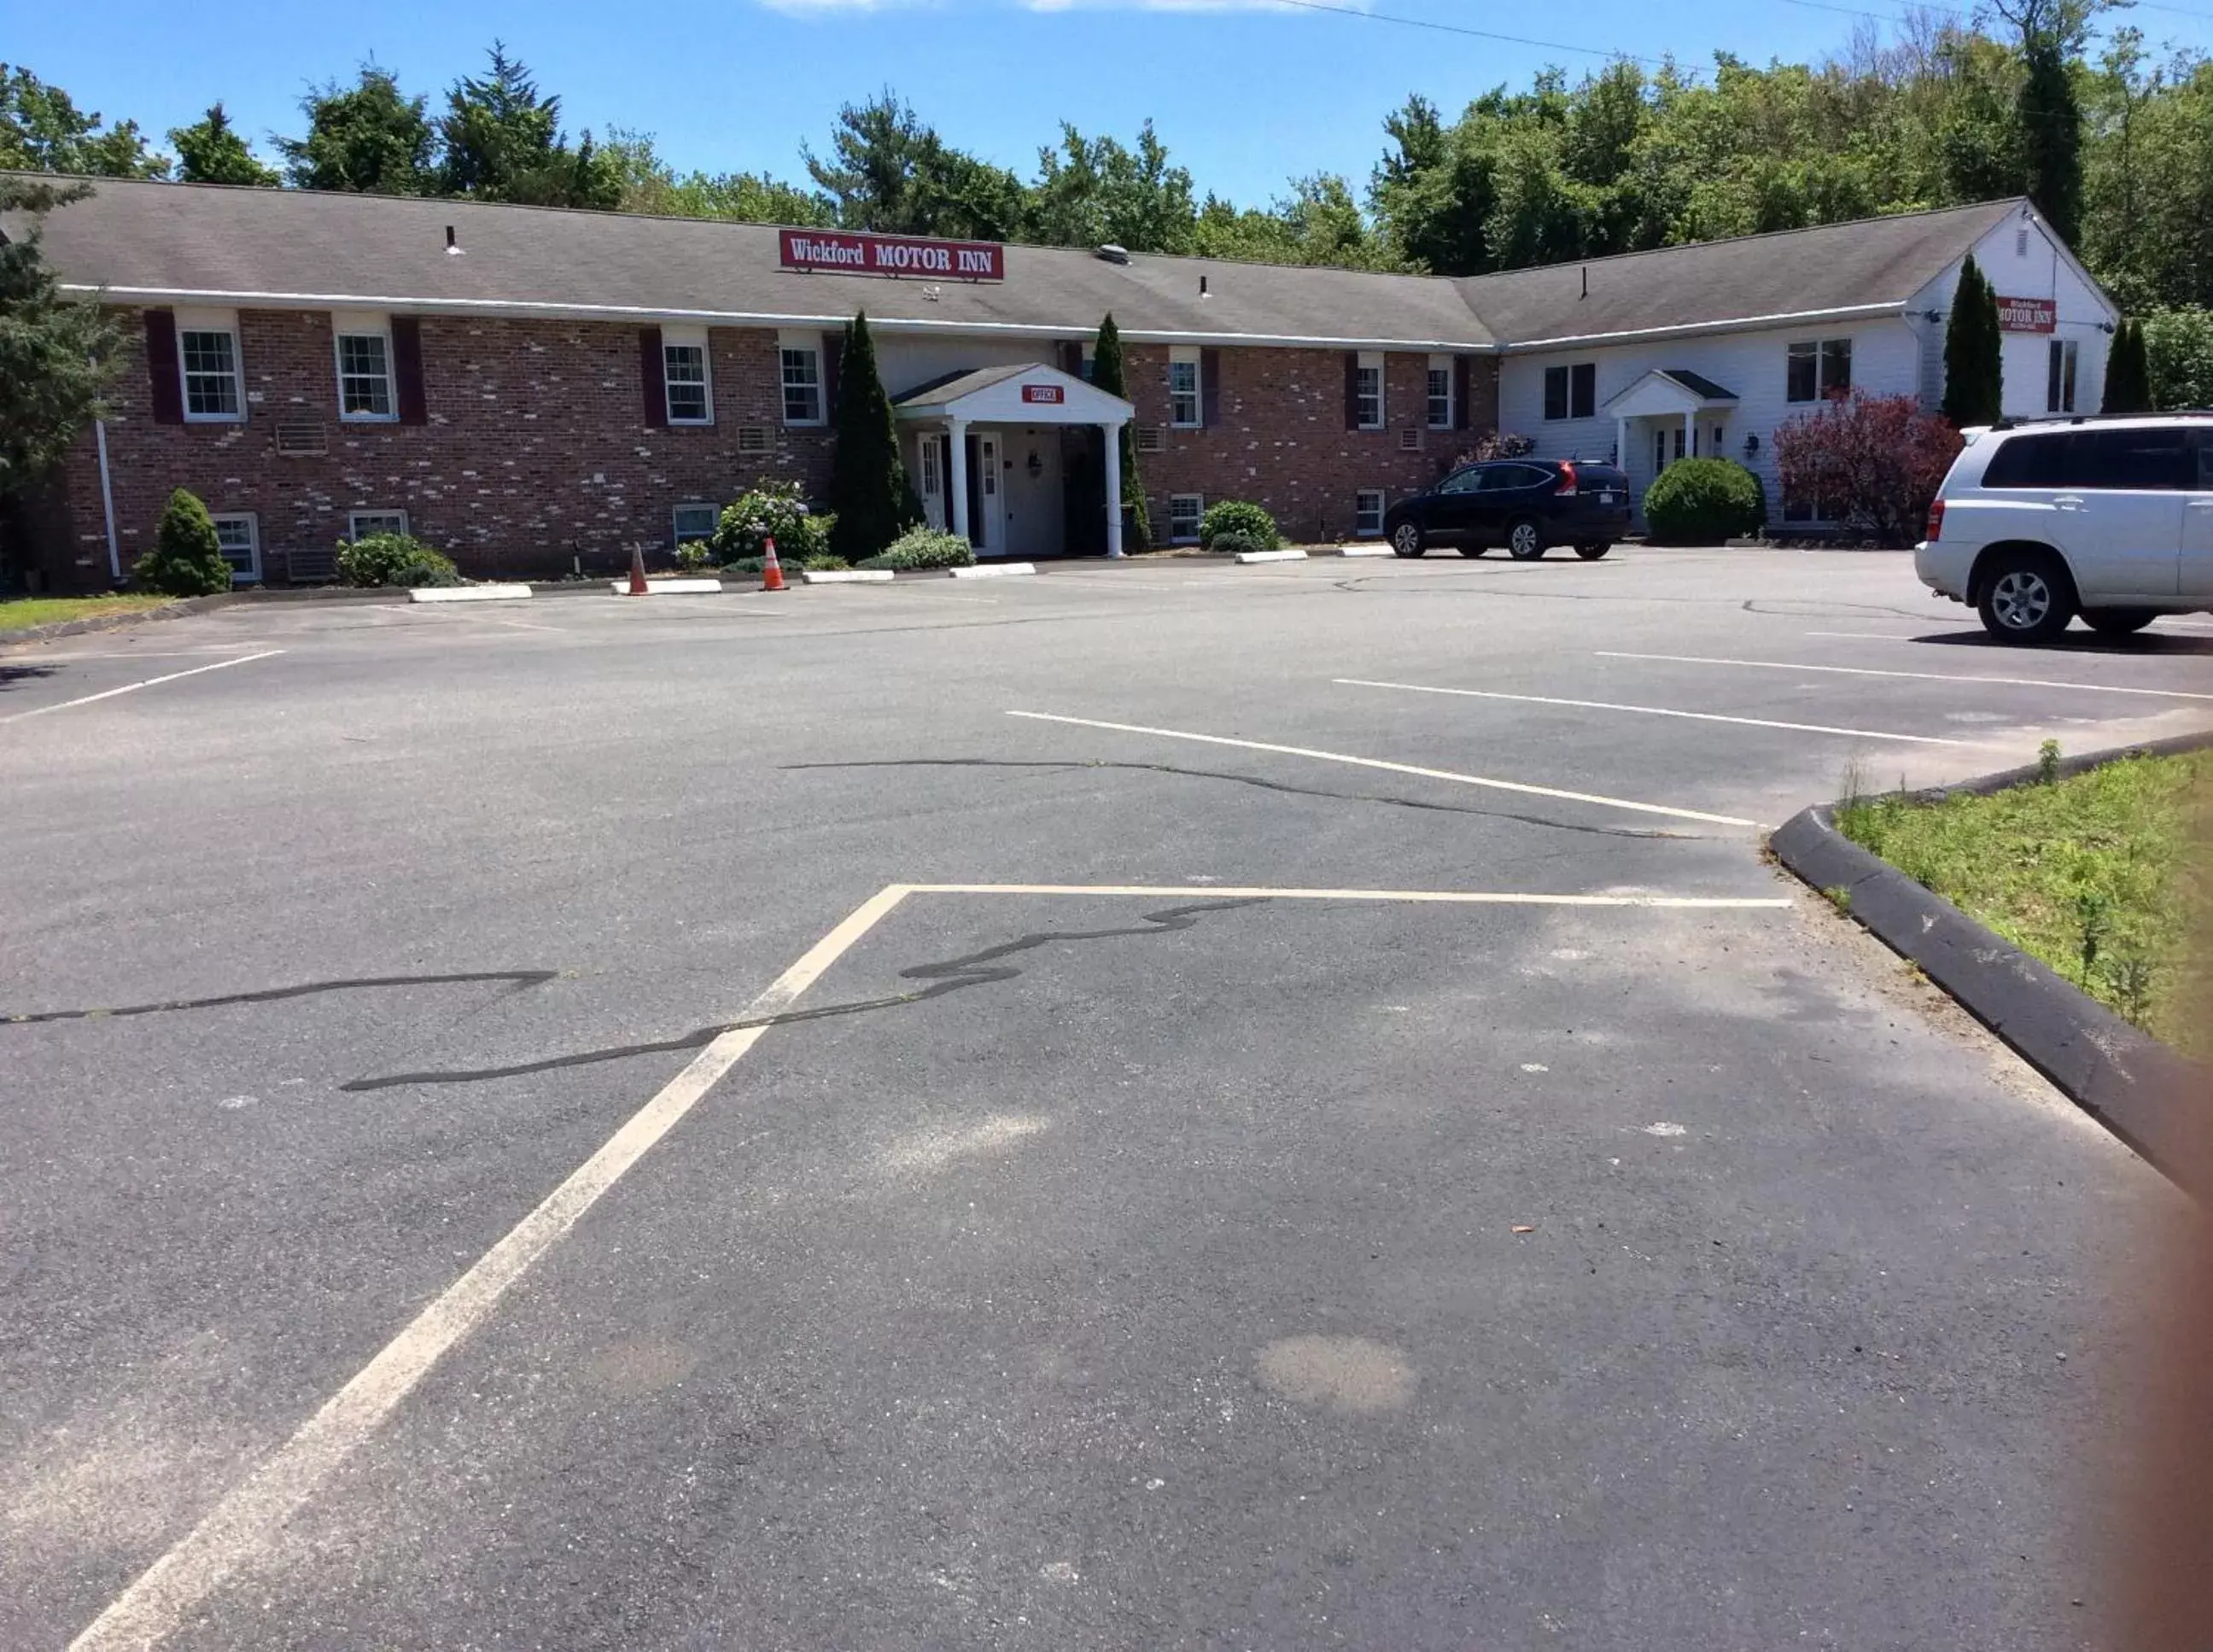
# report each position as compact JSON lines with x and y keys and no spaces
{"x":1363,"y":551}
{"x":671,"y":587}
{"x":846,"y":575}
{"x":468,"y":593}
{"x":2128,"y":1080}
{"x":993,"y":570}
{"x":1271,"y":555}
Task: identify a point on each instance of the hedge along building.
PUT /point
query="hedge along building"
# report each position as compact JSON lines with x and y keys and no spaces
{"x":535,"y":389}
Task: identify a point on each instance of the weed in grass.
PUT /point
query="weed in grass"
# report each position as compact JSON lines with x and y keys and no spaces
{"x":2047,"y":763}
{"x":1840,"y":896}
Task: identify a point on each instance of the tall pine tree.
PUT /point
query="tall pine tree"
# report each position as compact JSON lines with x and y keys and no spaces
{"x":2128,"y":372}
{"x":867,"y":479}
{"x":1973,"y":366}
{"x":2051,"y":134}
{"x":1108,"y":373}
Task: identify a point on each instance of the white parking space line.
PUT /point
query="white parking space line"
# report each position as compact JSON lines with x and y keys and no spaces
{"x":1655,"y":711}
{"x":148,"y":682}
{"x":1441,"y":897}
{"x":247,"y":1520}
{"x":1918,"y":676}
{"x":1394,"y":768}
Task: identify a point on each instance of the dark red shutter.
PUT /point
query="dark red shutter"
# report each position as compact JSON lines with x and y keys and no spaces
{"x":650,"y":371}
{"x":1351,"y":389}
{"x":407,"y":368}
{"x":1071,"y":357}
{"x":1461,"y":378}
{"x":1209,"y":387}
{"x":168,"y":389}
{"x":834,"y":356}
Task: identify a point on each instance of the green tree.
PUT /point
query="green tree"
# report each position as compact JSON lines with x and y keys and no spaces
{"x":1974,"y":359}
{"x":2128,"y":372}
{"x":186,"y":560}
{"x":212,"y":152}
{"x":500,"y":139}
{"x":868,"y":487}
{"x":1108,"y":374}
{"x":1093,"y":191}
{"x":41,"y":130}
{"x":1318,"y":223}
{"x":56,"y":353}
{"x":367,"y":138}
{"x":649,"y":184}
{"x":2179,"y":353}
{"x":2051,"y":136}
{"x":889,"y":171}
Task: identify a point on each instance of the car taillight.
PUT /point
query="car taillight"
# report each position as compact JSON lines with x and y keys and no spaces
{"x":1935,"y":521}
{"x":1567,"y":479}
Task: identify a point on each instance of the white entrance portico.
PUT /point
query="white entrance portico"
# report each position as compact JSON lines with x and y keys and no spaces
{"x":988,"y":460}
{"x":1669,"y":413}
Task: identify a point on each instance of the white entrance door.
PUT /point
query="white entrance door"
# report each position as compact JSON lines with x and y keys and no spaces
{"x":990,"y":497}
{"x":929,"y":457}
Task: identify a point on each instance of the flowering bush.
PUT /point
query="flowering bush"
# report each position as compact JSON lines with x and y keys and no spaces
{"x":774,"y":510}
{"x":1872,"y":463}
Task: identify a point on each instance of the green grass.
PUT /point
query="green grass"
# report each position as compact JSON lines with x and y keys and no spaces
{"x":2101,"y":875}
{"x":16,"y":614}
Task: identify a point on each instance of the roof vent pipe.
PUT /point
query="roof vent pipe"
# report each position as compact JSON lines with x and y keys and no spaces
{"x":1586,"y":293}
{"x":1202,"y":286}
{"x":450,"y":246}
{"x":1115,"y":254}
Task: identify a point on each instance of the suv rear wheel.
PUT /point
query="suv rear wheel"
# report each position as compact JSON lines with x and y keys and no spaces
{"x":1593,"y":552}
{"x":1525,"y":538}
{"x":1407,"y":541}
{"x":2025,"y":597}
{"x":2119,"y":622}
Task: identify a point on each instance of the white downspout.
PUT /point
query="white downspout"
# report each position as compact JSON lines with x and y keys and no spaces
{"x":108,"y":503}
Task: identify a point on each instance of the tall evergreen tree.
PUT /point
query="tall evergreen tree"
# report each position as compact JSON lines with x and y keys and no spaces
{"x":1973,"y":361}
{"x":369,"y":138}
{"x":1108,"y":373}
{"x":212,"y":152}
{"x":2051,"y":135}
{"x":2128,"y":372}
{"x":56,"y":354}
{"x":868,"y":487}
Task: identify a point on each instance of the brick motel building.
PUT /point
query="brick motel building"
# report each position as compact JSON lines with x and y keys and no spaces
{"x":537,"y":391}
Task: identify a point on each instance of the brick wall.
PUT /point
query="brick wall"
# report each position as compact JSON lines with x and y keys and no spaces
{"x":536,"y":449}
{"x":1281,"y":440}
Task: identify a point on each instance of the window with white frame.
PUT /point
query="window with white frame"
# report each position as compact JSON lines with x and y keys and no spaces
{"x":364,"y":358}
{"x":684,"y":378}
{"x":1367,"y":513}
{"x":1184,"y":406}
{"x":207,"y":359}
{"x":803,"y":383}
{"x":1819,"y":369}
{"x":2059,"y":376}
{"x":1441,"y":392}
{"x":238,"y":536}
{"x":1571,"y":392}
{"x":1367,"y":390}
{"x":367,"y":524}
{"x":694,"y":522}
{"x":1184,"y":511}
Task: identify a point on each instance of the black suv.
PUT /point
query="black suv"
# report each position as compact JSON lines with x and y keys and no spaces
{"x":1524,"y":504}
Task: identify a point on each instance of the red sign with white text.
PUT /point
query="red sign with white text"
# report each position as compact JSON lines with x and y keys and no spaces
{"x":2028,"y":315}
{"x":1044,"y":393}
{"x":842,"y":252}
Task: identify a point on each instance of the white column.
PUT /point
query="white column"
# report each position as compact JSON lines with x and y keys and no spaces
{"x":1621,"y":444}
{"x":1690,"y":434}
{"x":1114,"y":489}
{"x":958,"y":481}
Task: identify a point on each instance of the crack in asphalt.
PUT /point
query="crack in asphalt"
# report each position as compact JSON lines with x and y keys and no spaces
{"x":522,"y":978}
{"x":952,"y":975}
{"x":1255,"y":780}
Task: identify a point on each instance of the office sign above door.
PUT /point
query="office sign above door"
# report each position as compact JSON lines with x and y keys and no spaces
{"x":2028,"y":315}
{"x":843,"y":253}
{"x":1048,"y":394}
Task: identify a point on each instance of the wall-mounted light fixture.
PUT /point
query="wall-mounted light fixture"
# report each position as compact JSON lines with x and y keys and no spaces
{"x":1751,"y":443}
{"x":1035,"y":466}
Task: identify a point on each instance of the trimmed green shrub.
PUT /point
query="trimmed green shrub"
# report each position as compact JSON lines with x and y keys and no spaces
{"x":1108,"y":373}
{"x":1235,"y":541}
{"x":867,"y":478}
{"x":825,"y":562}
{"x":1702,"y":502}
{"x":1974,"y":351}
{"x":1241,"y":517}
{"x":924,"y":547}
{"x":774,"y":510}
{"x":186,"y":560}
{"x":398,"y":559}
{"x":695,"y":555}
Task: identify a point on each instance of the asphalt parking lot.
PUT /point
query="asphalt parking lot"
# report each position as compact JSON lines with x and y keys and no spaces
{"x":1163,"y":1106}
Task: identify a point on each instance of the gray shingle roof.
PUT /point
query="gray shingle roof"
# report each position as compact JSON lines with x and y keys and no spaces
{"x":1874,"y":261}
{"x":140,"y":239}
{"x":951,"y":386}
{"x":237,"y":247}
{"x":1696,"y":383}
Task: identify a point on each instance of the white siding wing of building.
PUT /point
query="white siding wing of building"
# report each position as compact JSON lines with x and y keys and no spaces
{"x":2022,"y":259}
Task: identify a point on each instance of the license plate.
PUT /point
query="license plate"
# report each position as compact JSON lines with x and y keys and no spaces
{"x":1605,"y":498}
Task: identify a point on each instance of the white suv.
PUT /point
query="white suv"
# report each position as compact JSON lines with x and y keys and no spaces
{"x":2111,"y":518}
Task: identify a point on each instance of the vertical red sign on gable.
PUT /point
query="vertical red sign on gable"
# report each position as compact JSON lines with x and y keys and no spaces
{"x":843,"y":253}
{"x":2028,"y":315}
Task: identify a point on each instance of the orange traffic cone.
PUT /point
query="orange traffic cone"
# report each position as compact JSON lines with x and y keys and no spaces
{"x":638,"y":587}
{"x":772,"y":570}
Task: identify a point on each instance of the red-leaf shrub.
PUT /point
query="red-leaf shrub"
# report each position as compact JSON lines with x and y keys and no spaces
{"x":1872,"y":463}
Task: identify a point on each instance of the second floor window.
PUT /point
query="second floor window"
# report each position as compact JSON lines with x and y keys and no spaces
{"x":1183,"y":388}
{"x":1441,"y":394}
{"x":1819,"y":369}
{"x":365,"y":375}
{"x":1368,"y":391}
{"x":683,"y":376}
{"x":802,"y":385}
{"x":209,"y":360}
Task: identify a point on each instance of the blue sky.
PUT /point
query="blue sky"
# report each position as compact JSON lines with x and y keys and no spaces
{"x":1246,"y":94}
